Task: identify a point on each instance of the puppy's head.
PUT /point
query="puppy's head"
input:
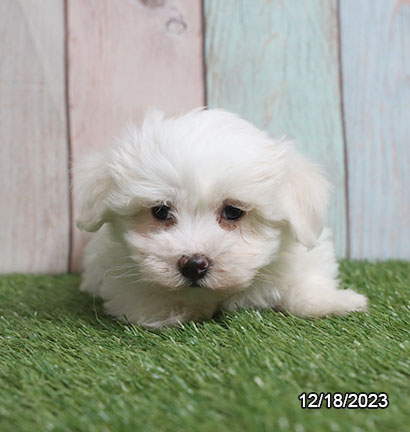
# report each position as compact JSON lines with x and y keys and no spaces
{"x":201,"y":200}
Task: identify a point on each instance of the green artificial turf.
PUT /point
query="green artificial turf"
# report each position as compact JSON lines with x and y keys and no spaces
{"x":65,"y":366}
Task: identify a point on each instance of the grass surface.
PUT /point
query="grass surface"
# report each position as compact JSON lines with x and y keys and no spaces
{"x":66,"y":366}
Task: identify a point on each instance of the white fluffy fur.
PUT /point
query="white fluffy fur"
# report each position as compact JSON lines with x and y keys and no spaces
{"x":277,"y":256}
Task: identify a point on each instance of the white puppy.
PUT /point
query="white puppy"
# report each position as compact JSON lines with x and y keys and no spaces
{"x":206,"y":212}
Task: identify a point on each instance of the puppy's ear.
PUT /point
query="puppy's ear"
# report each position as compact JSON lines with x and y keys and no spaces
{"x":307,"y":197}
{"x":92,"y":184}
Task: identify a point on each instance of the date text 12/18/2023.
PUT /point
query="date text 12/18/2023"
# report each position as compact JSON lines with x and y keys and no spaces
{"x":344,"y":400}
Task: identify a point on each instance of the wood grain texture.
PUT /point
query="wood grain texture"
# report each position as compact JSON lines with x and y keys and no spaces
{"x":34,"y":216}
{"x":276,"y":63}
{"x":376,"y":81}
{"x":126,"y":56}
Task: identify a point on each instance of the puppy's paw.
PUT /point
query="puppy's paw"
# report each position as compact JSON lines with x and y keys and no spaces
{"x":349,"y":301}
{"x":87,"y":286}
{"x":318,"y":303}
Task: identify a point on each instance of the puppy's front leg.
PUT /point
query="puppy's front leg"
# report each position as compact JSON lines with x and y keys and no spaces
{"x":308,"y":284}
{"x":317,"y":297}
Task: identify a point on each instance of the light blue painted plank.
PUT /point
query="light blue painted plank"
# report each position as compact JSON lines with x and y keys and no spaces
{"x":276,"y":64}
{"x":376,"y":80}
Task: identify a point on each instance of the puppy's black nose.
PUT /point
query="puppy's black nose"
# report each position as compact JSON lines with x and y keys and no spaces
{"x":193,"y":267}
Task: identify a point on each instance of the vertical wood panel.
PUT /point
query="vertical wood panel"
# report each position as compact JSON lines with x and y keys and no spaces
{"x":34,"y":216}
{"x":376,"y":82}
{"x":276,"y":63}
{"x":125,"y":57}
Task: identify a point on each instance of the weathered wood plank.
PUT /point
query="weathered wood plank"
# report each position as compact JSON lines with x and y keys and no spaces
{"x":34,"y":193}
{"x":276,"y":64}
{"x":124,"y":57}
{"x":376,"y":81}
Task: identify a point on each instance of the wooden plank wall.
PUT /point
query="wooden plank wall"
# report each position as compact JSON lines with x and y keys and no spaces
{"x":376,"y":81}
{"x":34,"y":190}
{"x":331,"y":74}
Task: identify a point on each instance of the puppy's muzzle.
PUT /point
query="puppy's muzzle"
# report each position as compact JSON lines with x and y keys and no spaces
{"x":193,"y":267}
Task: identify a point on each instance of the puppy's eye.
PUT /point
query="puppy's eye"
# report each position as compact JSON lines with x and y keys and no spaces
{"x":232,"y":213}
{"x":161,"y":212}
